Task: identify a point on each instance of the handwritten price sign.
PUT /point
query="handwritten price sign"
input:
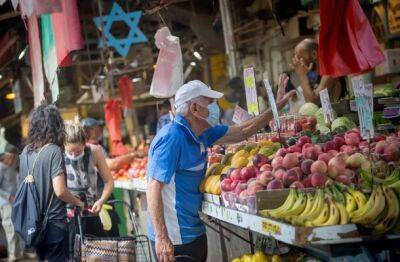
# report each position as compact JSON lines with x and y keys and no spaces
{"x":365,"y":106}
{"x":251,"y":91}
{"x":272,"y":104}
{"x":240,"y":115}
{"x":326,"y":105}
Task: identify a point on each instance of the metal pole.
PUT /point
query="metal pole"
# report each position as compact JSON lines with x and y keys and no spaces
{"x":228,"y":37}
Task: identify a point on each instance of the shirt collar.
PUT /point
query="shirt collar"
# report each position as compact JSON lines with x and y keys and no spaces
{"x":182,"y":121}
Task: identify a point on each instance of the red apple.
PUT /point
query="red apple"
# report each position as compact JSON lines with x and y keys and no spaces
{"x":380,"y":147}
{"x":281,"y":152}
{"x":226,"y":185}
{"x":325,"y":157}
{"x":319,"y":166}
{"x":277,"y":162}
{"x":294,"y":148}
{"x":297,"y":184}
{"x":303,"y":140}
{"x":333,"y":152}
{"x":306,"y":166}
{"x":355,"y":160}
{"x":275,"y":184}
{"x":310,"y":153}
{"x":265,"y":177}
{"x":254,"y":187}
{"x":330,"y":145}
{"x":235,"y":174}
{"x":336,"y":166}
{"x":265,"y":167}
{"x":307,"y":181}
{"x":343,"y":179}
{"x":347,"y":149}
{"x":290,"y":177}
{"x":279,"y":173}
{"x":259,"y":160}
{"x":392,"y":152}
{"x":306,"y":145}
{"x":339,"y":141}
{"x":352,"y":138}
{"x":247,"y":172}
{"x":290,"y":160}
{"x":318,"y":180}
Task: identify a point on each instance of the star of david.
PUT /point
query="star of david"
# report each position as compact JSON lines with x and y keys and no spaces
{"x":131,"y":19}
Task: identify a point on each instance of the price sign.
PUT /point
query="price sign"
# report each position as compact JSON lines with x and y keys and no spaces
{"x":272,"y":228}
{"x":251,"y":91}
{"x":240,"y":115}
{"x":326,"y":105}
{"x":364,"y":102}
{"x":272,"y":104}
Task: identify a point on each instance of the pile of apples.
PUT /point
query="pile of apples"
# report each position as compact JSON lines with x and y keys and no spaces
{"x":138,"y":168}
{"x":306,"y":165}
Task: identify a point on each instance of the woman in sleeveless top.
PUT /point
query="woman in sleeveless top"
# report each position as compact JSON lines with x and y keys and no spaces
{"x":83,"y":164}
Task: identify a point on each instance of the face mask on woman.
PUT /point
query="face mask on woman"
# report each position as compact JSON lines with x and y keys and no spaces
{"x":75,"y":158}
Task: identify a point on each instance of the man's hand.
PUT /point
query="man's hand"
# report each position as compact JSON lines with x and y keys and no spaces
{"x":164,"y":249}
{"x":282,"y":83}
{"x":300,"y":67}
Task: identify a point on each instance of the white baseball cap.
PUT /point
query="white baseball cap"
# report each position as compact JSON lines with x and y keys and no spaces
{"x":194,"y":89}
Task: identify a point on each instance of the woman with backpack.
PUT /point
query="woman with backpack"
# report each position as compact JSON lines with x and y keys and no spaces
{"x":42,"y":162}
{"x":84,"y":163}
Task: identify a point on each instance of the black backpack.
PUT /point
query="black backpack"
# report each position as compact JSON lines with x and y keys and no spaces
{"x":27,"y":219}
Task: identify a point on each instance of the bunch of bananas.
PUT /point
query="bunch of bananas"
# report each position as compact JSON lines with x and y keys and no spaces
{"x":380,"y":212}
{"x":305,"y":209}
{"x":330,"y":206}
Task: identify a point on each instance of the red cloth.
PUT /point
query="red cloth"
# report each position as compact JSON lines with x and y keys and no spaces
{"x":125,"y":89}
{"x":113,"y":118}
{"x":347,"y":44}
{"x":35,"y":55}
{"x":67,"y":31}
{"x":37,"y":7}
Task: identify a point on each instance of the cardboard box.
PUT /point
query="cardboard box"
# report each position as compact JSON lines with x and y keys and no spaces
{"x":391,"y":64}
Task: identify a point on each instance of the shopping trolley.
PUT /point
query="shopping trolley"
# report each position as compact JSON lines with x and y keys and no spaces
{"x":128,"y":248}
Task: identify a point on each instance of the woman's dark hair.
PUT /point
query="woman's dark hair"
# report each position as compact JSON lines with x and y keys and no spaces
{"x":45,"y":126}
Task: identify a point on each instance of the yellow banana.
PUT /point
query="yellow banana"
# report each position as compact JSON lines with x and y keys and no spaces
{"x":314,"y":212}
{"x":322,"y":217}
{"x":105,"y":219}
{"x":370,"y":214}
{"x":344,"y":214}
{"x":392,"y":216}
{"x":366,"y":206}
{"x":107,"y":207}
{"x":359,"y":196}
{"x":297,"y":207}
{"x":334,"y":214}
{"x":309,"y":205}
{"x":290,"y":200}
{"x":351,"y":203}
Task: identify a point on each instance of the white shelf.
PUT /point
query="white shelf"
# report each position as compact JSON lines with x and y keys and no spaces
{"x":298,"y":236}
{"x":136,"y":184}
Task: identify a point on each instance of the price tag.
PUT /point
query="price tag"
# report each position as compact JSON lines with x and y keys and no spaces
{"x":272,"y":228}
{"x":251,"y":91}
{"x":326,"y":105}
{"x":240,"y":115}
{"x":364,"y":102}
{"x":272,"y":104}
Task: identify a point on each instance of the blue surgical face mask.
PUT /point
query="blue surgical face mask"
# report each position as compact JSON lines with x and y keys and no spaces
{"x":75,"y":158}
{"x":213,"y":114}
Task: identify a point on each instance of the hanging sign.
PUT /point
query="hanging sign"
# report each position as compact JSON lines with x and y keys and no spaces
{"x":326,"y":106}
{"x":364,"y":102}
{"x":272,"y":104}
{"x":240,"y":115}
{"x":251,"y":91}
{"x":131,"y":19}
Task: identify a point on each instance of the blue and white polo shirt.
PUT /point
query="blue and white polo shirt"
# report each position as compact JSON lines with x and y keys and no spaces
{"x":178,"y":158}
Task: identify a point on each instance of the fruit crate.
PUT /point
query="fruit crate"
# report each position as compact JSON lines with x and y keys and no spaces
{"x":289,"y":234}
{"x":294,"y":124}
{"x":231,"y":200}
{"x":269,"y":199}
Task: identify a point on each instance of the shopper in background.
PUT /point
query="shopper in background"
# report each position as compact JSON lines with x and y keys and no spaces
{"x":305,"y":63}
{"x":84,"y":163}
{"x":94,"y":134}
{"x":8,"y":187}
{"x":164,"y":115}
{"x":46,"y":132}
{"x":177,"y":164}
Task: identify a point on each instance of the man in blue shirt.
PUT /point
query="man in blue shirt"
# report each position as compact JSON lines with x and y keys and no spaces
{"x":177,"y":164}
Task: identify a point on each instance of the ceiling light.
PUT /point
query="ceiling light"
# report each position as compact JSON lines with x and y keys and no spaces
{"x":197,"y":55}
{"x":136,"y":79}
{"x":10,"y":96}
{"x":21,"y":55}
{"x":193,"y":63}
{"x":1,"y":76}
